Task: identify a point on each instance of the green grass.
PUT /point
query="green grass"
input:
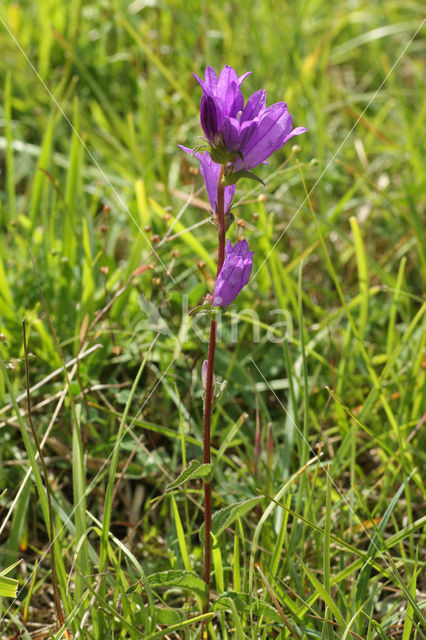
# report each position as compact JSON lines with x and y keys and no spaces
{"x":319,"y":438}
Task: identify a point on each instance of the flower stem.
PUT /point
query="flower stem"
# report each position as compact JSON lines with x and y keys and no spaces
{"x":208,"y":398}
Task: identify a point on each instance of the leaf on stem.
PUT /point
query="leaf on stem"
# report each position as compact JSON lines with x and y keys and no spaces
{"x":194,"y":470}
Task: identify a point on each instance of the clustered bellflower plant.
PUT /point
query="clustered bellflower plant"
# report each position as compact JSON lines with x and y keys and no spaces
{"x":239,"y":136}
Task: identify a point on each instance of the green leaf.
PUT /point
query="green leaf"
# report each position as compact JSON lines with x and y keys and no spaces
{"x":226,"y":516}
{"x":220,"y":156}
{"x":234,"y":177}
{"x":325,"y":595}
{"x":244,"y":604}
{"x":167,"y":616}
{"x":194,"y":470}
{"x":377,"y":541}
{"x":8,"y":586}
{"x":181,"y":536}
{"x":177,"y":627}
{"x":178,"y":578}
{"x":164,"y":615}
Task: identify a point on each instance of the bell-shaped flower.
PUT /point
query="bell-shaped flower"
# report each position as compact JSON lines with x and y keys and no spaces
{"x":222,"y":98}
{"x":235,"y":273}
{"x":244,"y":136}
{"x":211,"y":171}
{"x":273,"y":130}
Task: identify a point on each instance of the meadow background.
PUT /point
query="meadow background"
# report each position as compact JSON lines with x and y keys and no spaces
{"x":319,"y":438}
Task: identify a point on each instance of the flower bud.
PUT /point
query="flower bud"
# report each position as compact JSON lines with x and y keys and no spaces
{"x":235,"y":273}
{"x":204,"y":375}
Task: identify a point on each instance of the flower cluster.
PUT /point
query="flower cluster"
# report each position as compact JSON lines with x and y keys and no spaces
{"x":239,"y":137}
{"x":244,"y":135}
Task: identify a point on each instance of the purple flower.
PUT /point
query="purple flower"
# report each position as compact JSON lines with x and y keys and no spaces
{"x":235,"y":273}
{"x":222,"y":98}
{"x":244,"y":135}
{"x":211,"y":171}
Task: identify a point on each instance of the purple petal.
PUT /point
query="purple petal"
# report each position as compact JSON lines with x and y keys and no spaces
{"x":231,"y":133}
{"x":209,"y":83}
{"x":241,"y":249}
{"x":270,"y":135}
{"x":209,"y":117}
{"x":243,"y":77}
{"x":186,"y":149}
{"x":248,"y":266}
{"x":235,"y":135}
{"x":247,"y":130}
{"x":198,"y":79}
{"x":296,"y":132}
{"x":227,"y":76}
{"x":255,"y":105}
{"x":228,"y":196}
{"x":211,"y":171}
{"x":210,"y":77}
{"x":228,"y":283}
{"x":235,"y":273}
{"x":232,"y":100}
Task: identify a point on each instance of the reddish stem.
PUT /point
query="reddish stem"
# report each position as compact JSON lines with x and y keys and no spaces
{"x":208,"y":399}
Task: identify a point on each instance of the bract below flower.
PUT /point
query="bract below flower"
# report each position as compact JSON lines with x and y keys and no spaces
{"x":211,"y":171}
{"x":245,"y":135}
{"x":235,"y":273}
